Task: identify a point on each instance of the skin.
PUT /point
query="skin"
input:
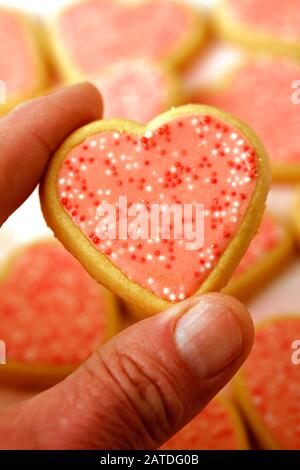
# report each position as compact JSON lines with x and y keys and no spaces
{"x":147,"y":382}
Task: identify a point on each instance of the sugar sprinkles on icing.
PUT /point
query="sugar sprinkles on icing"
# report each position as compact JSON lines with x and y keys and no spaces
{"x":193,"y":159}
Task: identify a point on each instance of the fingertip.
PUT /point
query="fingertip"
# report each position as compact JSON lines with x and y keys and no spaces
{"x":242,"y":316}
{"x":86,"y":92}
{"x":214,"y":335}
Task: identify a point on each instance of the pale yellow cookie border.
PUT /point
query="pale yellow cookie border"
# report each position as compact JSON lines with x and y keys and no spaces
{"x":281,"y":173}
{"x":70,"y":72}
{"x":97,"y":264}
{"x":247,"y":283}
{"x":228,"y":27}
{"x":245,"y":403}
{"x":134,"y":312}
{"x":33,"y":33}
{"x":295,"y":214}
{"x":44,"y":375}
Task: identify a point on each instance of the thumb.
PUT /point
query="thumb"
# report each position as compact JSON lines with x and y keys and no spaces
{"x":142,"y":386}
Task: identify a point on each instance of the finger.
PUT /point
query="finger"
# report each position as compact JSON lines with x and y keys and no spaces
{"x":143,"y":385}
{"x":30,"y":134}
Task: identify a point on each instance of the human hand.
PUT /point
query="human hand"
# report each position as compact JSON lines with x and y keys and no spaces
{"x":146,"y":383}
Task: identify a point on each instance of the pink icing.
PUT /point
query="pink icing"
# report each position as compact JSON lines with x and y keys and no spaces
{"x":260,"y":93}
{"x":97,"y":33}
{"x":192,"y":159}
{"x":136,"y":90}
{"x":268,"y":237}
{"x":51,"y":311}
{"x":16,"y":55}
{"x":274,"y":381}
{"x":276,"y":17}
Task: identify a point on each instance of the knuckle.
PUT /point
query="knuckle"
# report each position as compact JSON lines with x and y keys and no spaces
{"x":150,"y":395}
{"x":140,"y":402}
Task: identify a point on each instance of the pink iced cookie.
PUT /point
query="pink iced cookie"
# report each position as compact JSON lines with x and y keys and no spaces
{"x":273,"y":25}
{"x":217,"y":427}
{"x":208,"y":65}
{"x":260,"y":93}
{"x":22,"y":71}
{"x":137,"y":90}
{"x":188,"y":156}
{"x":52,"y":314}
{"x":267,"y":387}
{"x":90,"y":35}
{"x":269,"y":250}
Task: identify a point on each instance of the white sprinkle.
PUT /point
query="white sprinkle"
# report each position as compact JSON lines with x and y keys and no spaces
{"x":148,"y":134}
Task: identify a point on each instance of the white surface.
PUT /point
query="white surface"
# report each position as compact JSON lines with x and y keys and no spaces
{"x":48,"y":6}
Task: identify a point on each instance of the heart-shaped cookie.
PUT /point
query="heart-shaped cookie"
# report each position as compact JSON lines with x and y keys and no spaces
{"x":52,"y":314}
{"x":295,"y":214}
{"x":268,"y":385}
{"x":269,"y":106}
{"x":217,"y":427}
{"x":22,"y":70}
{"x":137,"y":89}
{"x":194,"y":161}
{"x":269,"y":250}
{"x":89,"y":35}
{"x":271,"y":25}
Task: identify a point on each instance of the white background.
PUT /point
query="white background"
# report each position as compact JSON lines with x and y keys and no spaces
{"x":48,"y":6}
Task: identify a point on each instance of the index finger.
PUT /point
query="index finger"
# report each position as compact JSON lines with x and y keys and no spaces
{"x":31,"y":133}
